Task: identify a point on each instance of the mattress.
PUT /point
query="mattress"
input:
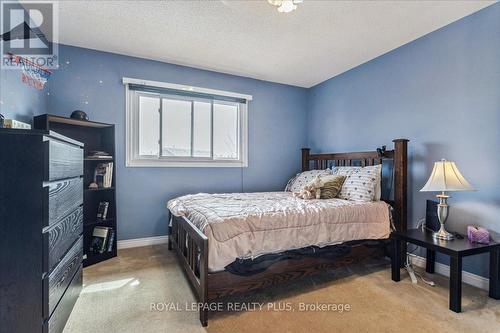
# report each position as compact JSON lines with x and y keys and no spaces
{"x":246,"y":225}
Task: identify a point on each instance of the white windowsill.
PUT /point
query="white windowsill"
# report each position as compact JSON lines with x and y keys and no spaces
{"x":185,"y":164}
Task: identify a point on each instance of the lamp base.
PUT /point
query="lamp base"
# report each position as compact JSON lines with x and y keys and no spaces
{"x":443,"y":234}
{"x":442,"y":212}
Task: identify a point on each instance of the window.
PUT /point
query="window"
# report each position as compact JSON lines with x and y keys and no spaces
{"x":174,"y":125}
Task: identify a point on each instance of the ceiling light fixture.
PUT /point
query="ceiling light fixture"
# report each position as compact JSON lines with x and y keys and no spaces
{"x":285,"y":6}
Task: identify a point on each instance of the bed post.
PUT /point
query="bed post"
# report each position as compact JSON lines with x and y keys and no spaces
{"x":204,"y":283}
{"x":400,"y":182}
{"x":401,"y":188}
{"x":188,"y":242}
{"x":305,"y":159}
{"x":169,"y":235}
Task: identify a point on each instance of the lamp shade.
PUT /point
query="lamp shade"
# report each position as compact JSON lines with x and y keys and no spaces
{"x":446,"y":177}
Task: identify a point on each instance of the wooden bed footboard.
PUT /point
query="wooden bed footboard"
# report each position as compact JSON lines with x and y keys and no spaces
{"x":191,"y":247}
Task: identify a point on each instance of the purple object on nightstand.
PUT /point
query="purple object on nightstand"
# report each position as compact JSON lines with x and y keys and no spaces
{"x":478,"y":235}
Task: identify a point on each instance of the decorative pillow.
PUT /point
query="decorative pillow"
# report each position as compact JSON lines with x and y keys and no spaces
{"x":344,"y":170}
{"x":290,"y":182}
{"x":361,"y":183}
{"x":349,"y":170}
{"x":331,"y":186}
{"x":303,"y":178}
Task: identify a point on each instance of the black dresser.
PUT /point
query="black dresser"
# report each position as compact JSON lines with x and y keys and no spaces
{"x":41,"y":225}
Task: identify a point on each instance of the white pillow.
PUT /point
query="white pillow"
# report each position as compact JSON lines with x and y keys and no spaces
{"x":290,"y":182}
{"x":362,"y":183}
{"x":301,"y":179}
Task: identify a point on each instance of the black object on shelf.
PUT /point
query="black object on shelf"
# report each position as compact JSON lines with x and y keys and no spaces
{"x":79,"y":115}
{"x":102,"y":211}
{"x":99,"y":140}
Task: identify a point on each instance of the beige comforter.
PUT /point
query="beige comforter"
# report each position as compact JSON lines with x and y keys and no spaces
{"x":244,"y":225}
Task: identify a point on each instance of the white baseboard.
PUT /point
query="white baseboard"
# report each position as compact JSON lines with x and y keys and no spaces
{"x":137,"y":242}
{"x":469,"y":278}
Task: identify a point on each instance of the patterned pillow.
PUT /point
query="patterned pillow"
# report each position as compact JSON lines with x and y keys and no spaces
{"x":344,"y":170}
{"x":377,"y":169}
{"x":303,"y":178}
{"x":361,"y":183}
{"x":290,"y":183}
{"x":331,"y":186}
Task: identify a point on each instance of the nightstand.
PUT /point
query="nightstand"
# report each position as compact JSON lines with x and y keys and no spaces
{"x":456,"y":249}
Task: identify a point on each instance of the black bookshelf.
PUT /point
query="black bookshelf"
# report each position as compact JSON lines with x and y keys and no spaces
{"x":95,"y":136}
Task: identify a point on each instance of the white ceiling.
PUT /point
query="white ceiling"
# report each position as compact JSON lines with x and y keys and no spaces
{"x":250,"y":38}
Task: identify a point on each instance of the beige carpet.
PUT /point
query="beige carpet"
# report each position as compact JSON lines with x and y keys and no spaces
{"x":118,"y":297}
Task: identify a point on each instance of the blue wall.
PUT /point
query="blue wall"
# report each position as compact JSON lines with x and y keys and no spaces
{"x":18,"y":100}
{"x":442,"y":92}
{"x":277,"y":117}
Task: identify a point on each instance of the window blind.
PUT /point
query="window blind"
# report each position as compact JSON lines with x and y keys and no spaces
{"x":186,"y":93}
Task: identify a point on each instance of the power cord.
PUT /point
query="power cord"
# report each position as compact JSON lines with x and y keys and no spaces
{"x":409,"y":269}
{"x":408,"y":264}
{"x":424,"y":280}
{"x":413,"y":274}
{"x":421,"y":224}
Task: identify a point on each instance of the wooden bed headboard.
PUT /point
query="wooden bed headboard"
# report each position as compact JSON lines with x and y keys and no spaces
{"x":399,"y":157}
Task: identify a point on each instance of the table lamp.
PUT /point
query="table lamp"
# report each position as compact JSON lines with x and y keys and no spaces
{"x":445,"y":177}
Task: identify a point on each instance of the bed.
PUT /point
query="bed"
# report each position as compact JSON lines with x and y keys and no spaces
{"x":248,"y":225}
{"x":210,"y":231}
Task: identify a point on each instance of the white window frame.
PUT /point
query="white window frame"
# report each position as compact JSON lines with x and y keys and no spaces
{"x":133,"y":159}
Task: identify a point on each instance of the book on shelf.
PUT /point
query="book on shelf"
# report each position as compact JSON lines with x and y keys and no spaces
{"x":12,"y":123}
{"x":102,"y":240}
{"x":111,"y":240}
{"x":99,"y":236}
{"x":97,"y":154}
{"x":103,"y":175}
{"x":102,"y":210}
